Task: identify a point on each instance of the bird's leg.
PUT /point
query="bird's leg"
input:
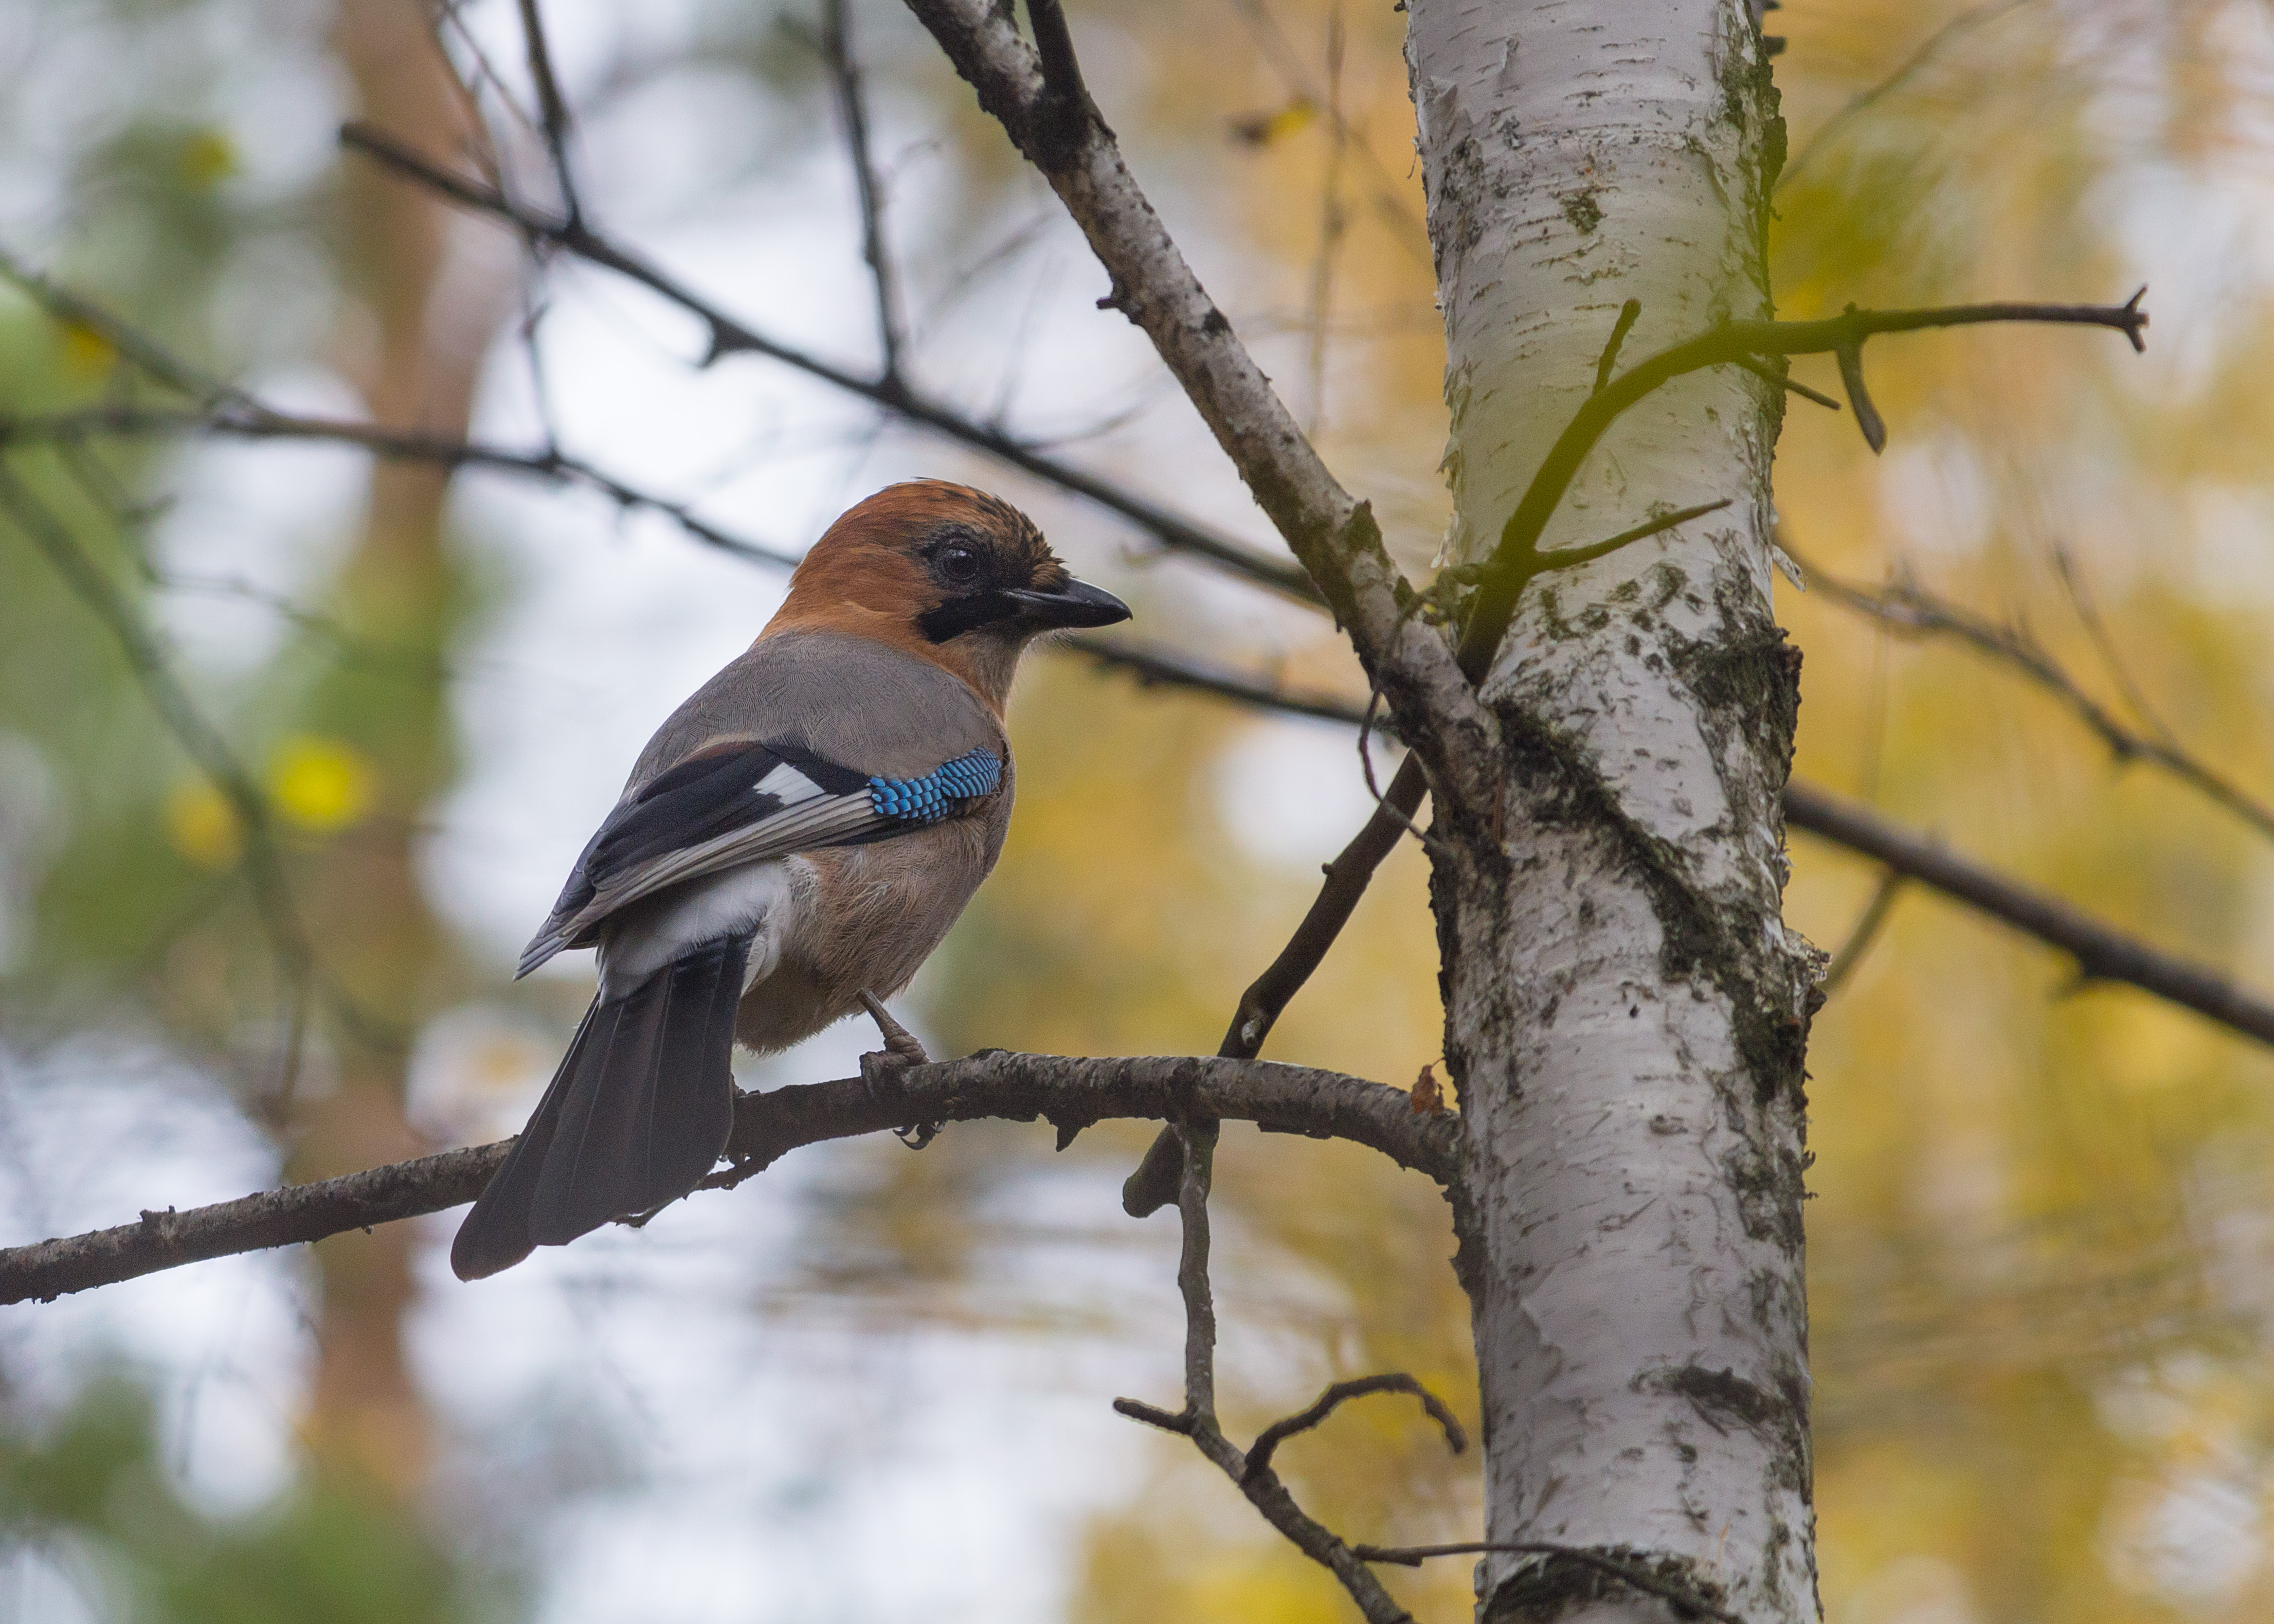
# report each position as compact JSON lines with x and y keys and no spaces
{"x":901,"y":1046}
{"x":881,"y":1068}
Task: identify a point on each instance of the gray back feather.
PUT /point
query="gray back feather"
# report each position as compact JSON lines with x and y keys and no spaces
{"x":857,"y":702}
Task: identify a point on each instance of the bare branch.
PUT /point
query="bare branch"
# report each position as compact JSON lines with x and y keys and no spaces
{"x":1195,"y":1138}
{"x":852,"y":107}
{"x":1148,"y":1189}
{"x":1070,"y":1093}
{"x":1388,"y":197}
{"x":1151,"y":664}
{"x":1332,"y":224}
{"x":200,"y":740}
{"x":248,"y":419}
{"x":1268,"y":1441}
{"x":2102,"y":954}
{"x":1607,"y":362}
{"x":551,"y":107}
{"x":1965,"y":22}
{"x":76,"y":310}
{"x":1910,"y":610}
{"x":730,"y":336}
{"x":1515,"y":559}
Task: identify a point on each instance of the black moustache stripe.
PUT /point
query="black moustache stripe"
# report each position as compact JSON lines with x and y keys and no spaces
{"x":958,"y":615}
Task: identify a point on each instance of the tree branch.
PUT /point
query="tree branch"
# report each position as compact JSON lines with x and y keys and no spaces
{"x":1334,"y":537}
{"x":730,"y":336}
{"x":246,"y":419}
{"x":2103,"y":952}
{"x":1516,"y":558}
{"x":1268,"y":1441}
{"x":552,"y":108}
{"x":1250,"y":1470}
{"x":1070,"y":1093}
{"x":852,"y":107}
{"x":1910,"y":610}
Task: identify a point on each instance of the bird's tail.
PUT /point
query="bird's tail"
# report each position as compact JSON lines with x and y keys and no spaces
{"x":637,"y":1113}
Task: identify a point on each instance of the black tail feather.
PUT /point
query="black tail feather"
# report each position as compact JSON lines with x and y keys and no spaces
{"x":637,"y":1113}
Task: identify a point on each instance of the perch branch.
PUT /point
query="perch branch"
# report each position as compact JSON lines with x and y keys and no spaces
{"x":1070,"y":1093}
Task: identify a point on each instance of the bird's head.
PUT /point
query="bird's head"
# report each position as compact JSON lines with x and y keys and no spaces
{"x":946,"y":572}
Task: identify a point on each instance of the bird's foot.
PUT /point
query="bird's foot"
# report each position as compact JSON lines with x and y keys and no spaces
{"x":882,"y":1070}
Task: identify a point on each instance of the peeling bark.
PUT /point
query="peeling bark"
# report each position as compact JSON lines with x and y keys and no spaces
{"x":1626,"y":1014}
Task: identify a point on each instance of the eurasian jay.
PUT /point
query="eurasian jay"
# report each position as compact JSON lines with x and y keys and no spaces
{"x":792,"y":844}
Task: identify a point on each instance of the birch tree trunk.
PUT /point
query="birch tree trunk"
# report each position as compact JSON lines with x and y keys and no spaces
{"x":1627,"y":1016}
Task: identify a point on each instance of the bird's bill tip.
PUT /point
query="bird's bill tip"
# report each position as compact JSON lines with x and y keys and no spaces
{"x":1076,"y":604}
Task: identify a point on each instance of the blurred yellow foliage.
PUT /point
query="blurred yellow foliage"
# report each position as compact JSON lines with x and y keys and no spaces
{"x":202,"y":825}
{"x":320,"y":785}
{"x":85,"y":352}
{"x":205,"y":158}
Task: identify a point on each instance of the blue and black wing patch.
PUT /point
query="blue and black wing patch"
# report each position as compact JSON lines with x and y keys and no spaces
{"x":745,"y":803}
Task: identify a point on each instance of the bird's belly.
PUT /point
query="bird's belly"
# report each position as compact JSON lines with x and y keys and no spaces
{"x":867,"y":918}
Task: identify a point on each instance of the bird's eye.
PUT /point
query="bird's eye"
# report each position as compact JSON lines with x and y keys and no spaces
{"x":958,"y":566}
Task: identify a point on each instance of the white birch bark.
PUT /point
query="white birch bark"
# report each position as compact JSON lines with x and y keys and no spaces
{"x":1626,"y":1014}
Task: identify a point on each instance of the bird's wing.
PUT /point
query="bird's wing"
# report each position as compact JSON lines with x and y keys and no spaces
{"x":742,"y":803}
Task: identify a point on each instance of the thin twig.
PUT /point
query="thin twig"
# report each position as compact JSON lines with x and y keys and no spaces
{"x":1515,"y":557}
{"x":1151,"y":664}
{"x":1295,"y":77}
{"x":1070,"y":1093}
{"x":1268,"y":1441}
{"x":1331,"y":225}
{"x":552,"y":108}
{"x":77,"y":310}
{"x":245,"y":419}
{"x":200,"y":741}
{"x":1865,"y":931}
{"x":852,"y":109}
{"x":730,"y":336}
{"x":1195,"y":1138}
{"x":1607,"y":362}
{"x":1861,"y":102}
{"x":1151,"y":1186}
{"x":1910,"y":610}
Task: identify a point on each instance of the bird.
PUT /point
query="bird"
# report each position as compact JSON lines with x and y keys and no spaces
{"x":791,"y":845}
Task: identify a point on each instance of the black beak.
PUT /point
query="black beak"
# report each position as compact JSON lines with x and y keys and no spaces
{"x":1076,"y":604}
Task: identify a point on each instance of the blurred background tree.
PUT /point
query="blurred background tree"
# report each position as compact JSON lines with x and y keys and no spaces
{"x":2041,"y":1330}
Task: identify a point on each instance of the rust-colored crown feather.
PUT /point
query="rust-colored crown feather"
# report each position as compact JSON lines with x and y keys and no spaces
{"x":876,"y":574}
